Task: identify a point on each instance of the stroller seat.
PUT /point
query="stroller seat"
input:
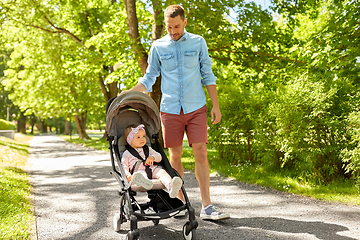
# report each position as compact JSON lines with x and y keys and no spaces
{"x":157,"y":184}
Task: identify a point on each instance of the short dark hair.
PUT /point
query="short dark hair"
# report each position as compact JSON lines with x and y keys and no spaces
{"x":174,"y":11}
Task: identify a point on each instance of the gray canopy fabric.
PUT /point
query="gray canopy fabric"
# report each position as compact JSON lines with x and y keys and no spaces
{"x":132,"y":108}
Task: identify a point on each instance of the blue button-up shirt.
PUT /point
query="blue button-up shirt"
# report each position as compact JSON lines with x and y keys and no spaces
{"x":185,"y":67}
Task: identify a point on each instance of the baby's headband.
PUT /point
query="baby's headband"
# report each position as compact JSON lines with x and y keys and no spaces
{"x":133,"y":132}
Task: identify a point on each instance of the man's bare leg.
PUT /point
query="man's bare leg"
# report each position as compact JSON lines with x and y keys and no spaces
{"x":202,"y":171}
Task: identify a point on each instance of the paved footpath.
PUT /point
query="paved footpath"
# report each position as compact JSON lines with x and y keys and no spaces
{"x":76,"y":197}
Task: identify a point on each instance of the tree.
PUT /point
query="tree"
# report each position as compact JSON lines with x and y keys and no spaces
{"x":63,"y":57}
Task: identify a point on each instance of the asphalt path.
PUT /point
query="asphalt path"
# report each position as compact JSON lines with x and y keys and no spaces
{"x":75,"y":197}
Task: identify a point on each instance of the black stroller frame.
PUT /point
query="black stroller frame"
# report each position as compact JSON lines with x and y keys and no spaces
{"x":162,"y":205}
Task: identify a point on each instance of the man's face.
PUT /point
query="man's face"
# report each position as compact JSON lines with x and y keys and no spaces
{"x":175,"y":27}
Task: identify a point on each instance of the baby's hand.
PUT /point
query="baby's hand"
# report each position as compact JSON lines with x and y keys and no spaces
{"x":150,"y":161}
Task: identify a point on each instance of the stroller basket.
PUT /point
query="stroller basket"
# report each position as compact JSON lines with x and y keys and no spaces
{"x":138,"y":108}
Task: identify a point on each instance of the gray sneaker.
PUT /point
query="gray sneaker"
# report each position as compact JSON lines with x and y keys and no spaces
{"x":141,"y":181}
{"x":212,"y":214}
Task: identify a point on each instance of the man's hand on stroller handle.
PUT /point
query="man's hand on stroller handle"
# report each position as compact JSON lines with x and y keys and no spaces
{"x":150,"y":161}
{"x":139,"y":88}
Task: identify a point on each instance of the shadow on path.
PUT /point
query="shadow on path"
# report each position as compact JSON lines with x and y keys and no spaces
{"x":274,"y":228}
{"x":77,"y":197}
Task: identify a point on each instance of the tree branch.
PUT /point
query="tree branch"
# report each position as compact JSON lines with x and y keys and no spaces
{"x":58,"y":30}
{"x":62,"y":30}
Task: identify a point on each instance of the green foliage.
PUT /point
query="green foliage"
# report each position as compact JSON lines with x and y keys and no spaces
{"x":52,"y":74}
{"x":289,"y":112}
{"x":309,"y":128}
{"x":5,"y":125}
{"x":114,"y":41}
{"x":351,"y":154}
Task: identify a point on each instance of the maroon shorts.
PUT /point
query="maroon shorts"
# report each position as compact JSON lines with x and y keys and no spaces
{"x":194,"y":124}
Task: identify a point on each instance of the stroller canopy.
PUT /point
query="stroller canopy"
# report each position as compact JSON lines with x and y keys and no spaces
{"x":132,"y":108}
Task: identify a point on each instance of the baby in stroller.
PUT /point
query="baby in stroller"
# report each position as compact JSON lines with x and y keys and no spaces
{"x":139,"y":172}
{"x":139,"y":110}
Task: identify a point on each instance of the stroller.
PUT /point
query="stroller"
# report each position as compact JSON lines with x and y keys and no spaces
{"x":138,"y":108}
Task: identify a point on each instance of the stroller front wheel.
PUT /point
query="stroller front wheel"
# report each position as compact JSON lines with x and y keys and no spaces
{"x":191,"y":235}
{"x":132,"y":235}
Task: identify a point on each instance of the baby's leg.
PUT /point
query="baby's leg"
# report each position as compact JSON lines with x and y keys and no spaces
{"x":173,"y":185}
{"x":163,"y":176}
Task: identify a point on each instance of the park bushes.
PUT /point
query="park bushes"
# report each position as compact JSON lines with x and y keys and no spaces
{"x":310,"y":125}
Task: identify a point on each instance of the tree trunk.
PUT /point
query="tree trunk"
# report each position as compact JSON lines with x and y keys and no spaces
{"x":44,"y":126}
{"x":109,"y":90}
{"x":59,"y":127}
{"x":133,"y":27}
{"x":67,"y":127}
{"x":158,"y":20}
{"x":138,"y":49}
{"x":21,"y":125}
{"x":33,"y":122}
{"x":80,"y":121}
{"x":157,"y":31}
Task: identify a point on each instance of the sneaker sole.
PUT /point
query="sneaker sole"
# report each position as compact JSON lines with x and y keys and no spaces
{"x":176,"y":185}
{"x":221,"y":217}
{"x":141,"y":181}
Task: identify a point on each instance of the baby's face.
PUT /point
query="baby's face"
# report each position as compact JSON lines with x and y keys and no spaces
{"x":139,"y":139}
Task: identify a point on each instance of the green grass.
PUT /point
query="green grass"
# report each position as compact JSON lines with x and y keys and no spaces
{"x":344,"y":191}
{"x":95,"y":142}
{"x":15,"y":190}
{"x":341,"y":191}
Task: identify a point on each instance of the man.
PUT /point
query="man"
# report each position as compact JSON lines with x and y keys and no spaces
{"x":183,"y":61}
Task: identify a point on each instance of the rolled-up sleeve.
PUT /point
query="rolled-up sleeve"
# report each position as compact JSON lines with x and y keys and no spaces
{"x":208,"y":77}
{"x":152,"y":71}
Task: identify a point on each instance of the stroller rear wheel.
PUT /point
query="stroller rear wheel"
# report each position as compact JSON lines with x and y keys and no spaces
{"x":117,"y":221}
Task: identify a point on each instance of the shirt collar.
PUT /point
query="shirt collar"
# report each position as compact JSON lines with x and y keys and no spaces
{"x":183,"y":38}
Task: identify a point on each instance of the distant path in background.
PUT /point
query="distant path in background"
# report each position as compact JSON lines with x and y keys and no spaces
{"x":76,"y":198}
